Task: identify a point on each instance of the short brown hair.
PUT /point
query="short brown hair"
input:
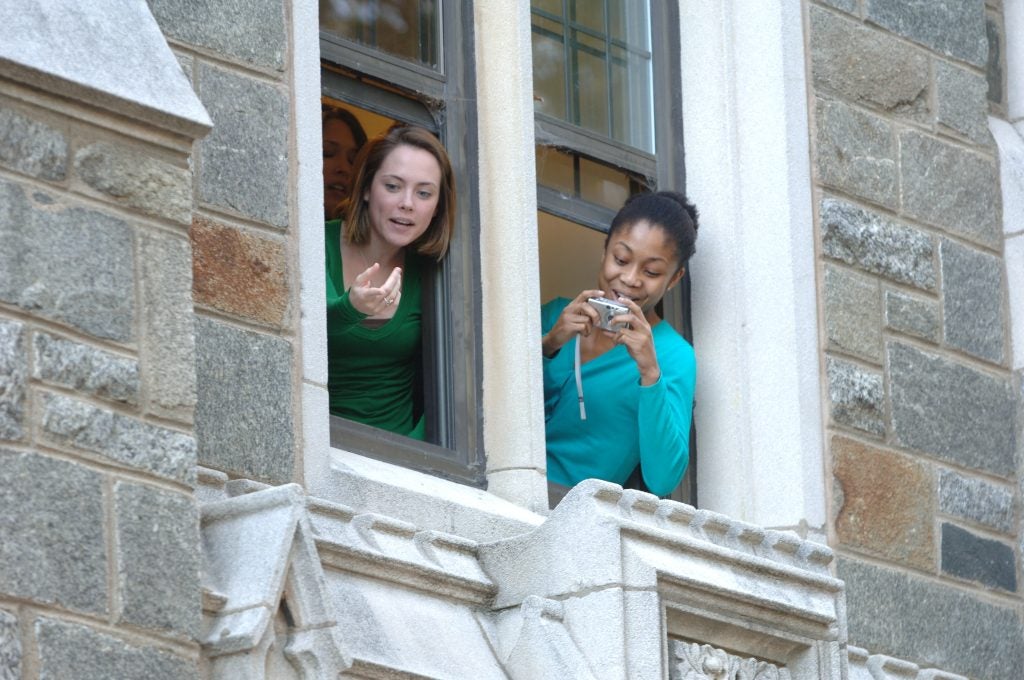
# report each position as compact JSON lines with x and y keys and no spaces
{"x":434,"y":241}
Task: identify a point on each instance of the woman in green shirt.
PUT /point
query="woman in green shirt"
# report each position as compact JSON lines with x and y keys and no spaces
{"x":401,"y":211}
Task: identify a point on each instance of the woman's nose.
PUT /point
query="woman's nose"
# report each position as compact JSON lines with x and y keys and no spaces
{"x":630,"y":278}
{"x":405,"y":202}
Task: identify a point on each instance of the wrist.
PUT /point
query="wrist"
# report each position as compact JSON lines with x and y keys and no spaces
{"x":549,"y":346}
{"x":650,"y":376}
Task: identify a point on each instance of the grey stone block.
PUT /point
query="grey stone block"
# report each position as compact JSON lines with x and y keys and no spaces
{"x":71,"y":650}
{"x":976,"y":500}
{"x":856,"y":153}
{"x":136,"y":180}
{"x":962,"y":102}
{"x":972,"y":301}
{"x":130,"y":442}
{"x":52,"y":548}
{"x":910,"y":314}
{"x":845,"y":5}
{"x":85,"y":369}
{"x":853,"y":315}
{"x":245,"y":159}
{"x":10,"y":647}
{"x":974,"y":558}
{"x":994,"y":67}
{"x":866,"y":66}
{"x":951,"y":27}
{"x":244,"y":413}
{"x":876,"y":244}
{"x":168,"y":337}
{"x":32,"y":147}
{"x":70,"y":265}
{"x":13,"y":379}
{"x":252,"y":31}
{"x":951,"y":410}
{"x":950,"y":188}
{"x":158,"y":558}
{"x":892,"y":613}
{"x":857,"y":396}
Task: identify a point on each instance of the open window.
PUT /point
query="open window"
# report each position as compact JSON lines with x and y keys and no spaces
{"x":607,"y":107}
{"x":411,"y":61}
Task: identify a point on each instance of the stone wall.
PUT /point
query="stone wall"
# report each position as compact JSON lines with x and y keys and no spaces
{"x":242,"y":234}
{"x":99,"y":535}
{"x":921,"y":400}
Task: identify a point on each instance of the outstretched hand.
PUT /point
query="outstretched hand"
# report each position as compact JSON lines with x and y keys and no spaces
{"x":371,"y":300}
{"x":636,"y":335}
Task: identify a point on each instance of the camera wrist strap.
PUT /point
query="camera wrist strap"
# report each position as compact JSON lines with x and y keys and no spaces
{"x":579,"y":381}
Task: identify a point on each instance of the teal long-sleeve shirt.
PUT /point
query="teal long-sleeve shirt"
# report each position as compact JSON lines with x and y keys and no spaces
{"x":626,"y":423}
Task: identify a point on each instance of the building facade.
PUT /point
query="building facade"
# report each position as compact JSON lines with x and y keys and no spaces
{"x":177,"y":502}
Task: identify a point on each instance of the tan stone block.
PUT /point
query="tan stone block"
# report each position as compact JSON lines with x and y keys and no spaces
{"x":238,"y":273}
{"x":884,"y":503}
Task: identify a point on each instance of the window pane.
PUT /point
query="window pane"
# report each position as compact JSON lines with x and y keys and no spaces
{"x":404,"y":28}
{"x":603,"y":185}
{"x":549,"y":74}
{"x":555,"y":170}
{"x":562,"y":276}
{"x":590,"y":14}
{"x":609,"y":70}
{"x":550,"y":6}
{"x":590,"y":82}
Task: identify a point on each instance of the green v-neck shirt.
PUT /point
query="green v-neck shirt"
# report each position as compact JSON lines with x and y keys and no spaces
{"x":371,"y":370}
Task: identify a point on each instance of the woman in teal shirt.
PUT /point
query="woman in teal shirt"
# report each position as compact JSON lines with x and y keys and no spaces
{"x":614,"y":399}
{"x":401,"y":211}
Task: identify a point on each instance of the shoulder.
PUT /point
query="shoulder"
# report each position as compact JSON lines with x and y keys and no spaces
{"x":672,"y":345}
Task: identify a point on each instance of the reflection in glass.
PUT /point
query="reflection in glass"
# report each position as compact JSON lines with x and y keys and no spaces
{"x":601,"y":52}
{"x":603,"y":185}
{"x":404,"y":28}
{"x":575,"y":176}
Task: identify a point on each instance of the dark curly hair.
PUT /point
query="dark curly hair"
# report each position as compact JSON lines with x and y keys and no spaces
{"x":669,"y":210}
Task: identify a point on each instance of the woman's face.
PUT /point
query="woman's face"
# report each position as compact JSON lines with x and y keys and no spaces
{"x":339,"y":157}
{"x":640,"y":263}
{"x":403,"y":195}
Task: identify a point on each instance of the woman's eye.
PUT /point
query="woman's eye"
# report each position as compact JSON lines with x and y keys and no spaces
{"x":425,"y":194}
{"x":619,"y":261}
{"x":390,"y":186}
{"x":652,"y":274}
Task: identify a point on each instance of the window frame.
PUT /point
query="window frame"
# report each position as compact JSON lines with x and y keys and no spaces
{"x":452,"y":328}
{"x":664,"y":168}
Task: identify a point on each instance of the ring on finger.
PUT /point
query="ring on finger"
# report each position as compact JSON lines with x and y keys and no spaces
{"x":389,"y":300}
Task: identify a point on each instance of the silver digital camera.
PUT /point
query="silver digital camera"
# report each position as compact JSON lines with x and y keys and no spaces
{"x":607,"y":310}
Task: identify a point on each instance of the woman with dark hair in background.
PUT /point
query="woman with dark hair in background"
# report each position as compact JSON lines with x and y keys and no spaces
{"x":618,"y":389}
{"x":343,"y":137}
{"x":401,"y":211}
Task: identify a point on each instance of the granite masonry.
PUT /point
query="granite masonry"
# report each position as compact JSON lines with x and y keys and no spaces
{"x":925,"y":434}
{"x":156,"y":514}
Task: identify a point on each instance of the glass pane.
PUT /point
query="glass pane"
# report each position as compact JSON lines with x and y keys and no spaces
{"x":608,"y":73}
{"x":409,"y":29}
{"x":548,"y":70}
{"x":628,"y":23}
{"x":589,"y":14}
{"x":550,"y":6}
{"x":562,"y":276}
{"x":590,"y":82}
{"x":555,"y":170}
{"x":603,"y":185}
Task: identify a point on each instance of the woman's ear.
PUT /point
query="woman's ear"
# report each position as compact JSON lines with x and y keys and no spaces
{"x":676,"y":278}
